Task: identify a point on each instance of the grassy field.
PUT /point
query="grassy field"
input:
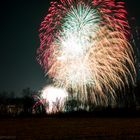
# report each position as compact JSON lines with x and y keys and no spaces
{"x":69,"y":128}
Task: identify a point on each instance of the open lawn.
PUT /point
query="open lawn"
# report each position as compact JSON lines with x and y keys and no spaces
{"x":69,"y":128}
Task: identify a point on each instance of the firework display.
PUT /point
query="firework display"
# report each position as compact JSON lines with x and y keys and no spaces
{"x":84,"y":48}
{"x":52,"y":99}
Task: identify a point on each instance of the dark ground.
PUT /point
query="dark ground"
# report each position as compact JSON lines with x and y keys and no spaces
{"x":70,"y":128}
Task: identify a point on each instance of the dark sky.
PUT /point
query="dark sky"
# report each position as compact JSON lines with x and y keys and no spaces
{"x":19,"y":23}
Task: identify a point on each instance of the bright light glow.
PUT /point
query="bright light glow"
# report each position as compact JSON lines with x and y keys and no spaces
{"x":54,"y":98}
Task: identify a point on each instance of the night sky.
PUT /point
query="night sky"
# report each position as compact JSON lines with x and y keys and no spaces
{"x":19,"y":24}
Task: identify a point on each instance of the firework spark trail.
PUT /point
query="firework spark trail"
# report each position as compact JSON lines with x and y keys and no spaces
{"x":84,"y":47}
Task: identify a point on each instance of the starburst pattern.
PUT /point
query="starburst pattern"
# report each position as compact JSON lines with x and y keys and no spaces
{"x":84,"y":48}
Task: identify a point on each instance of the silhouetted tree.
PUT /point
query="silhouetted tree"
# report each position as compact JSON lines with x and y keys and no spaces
{"x":27,"y":100}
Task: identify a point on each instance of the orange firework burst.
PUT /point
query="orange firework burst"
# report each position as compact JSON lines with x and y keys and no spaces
{"x":87,"y":50}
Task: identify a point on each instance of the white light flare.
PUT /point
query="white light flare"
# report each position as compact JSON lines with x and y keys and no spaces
{"x":54,"y":98}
